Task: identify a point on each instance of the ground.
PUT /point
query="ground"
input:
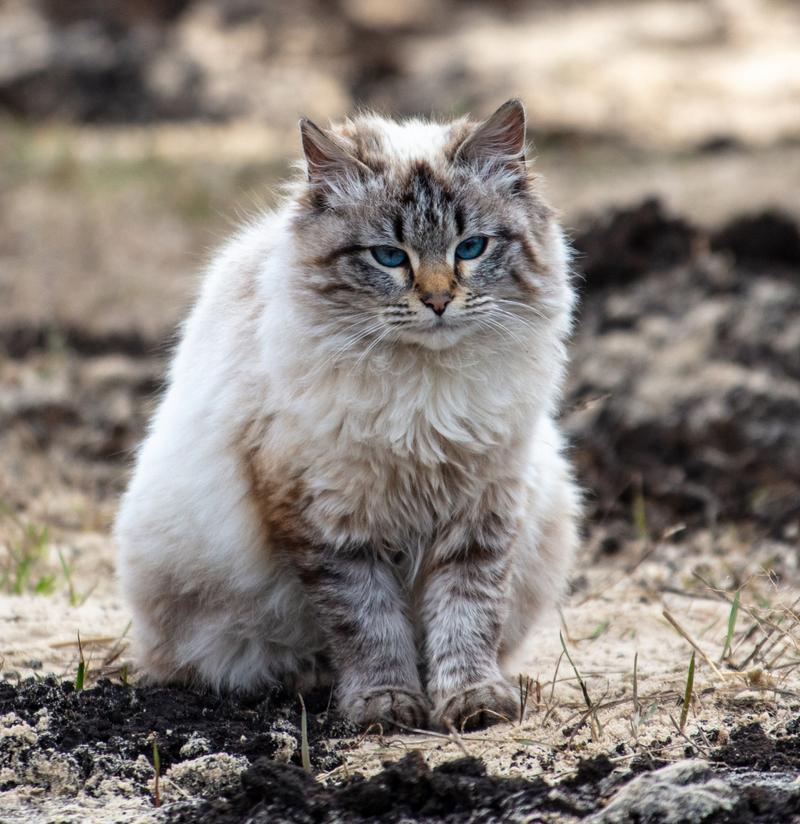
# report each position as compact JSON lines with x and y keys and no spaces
{"x":667,"y":687}
{"x":683,"y":407}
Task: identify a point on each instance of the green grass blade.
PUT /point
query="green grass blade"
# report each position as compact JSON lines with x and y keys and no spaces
{"x":305,"y":757}
{"x":727,"y":649}
{"x":80,"y":676}
{"x":687,"y":696}
{"x":157,"y":770}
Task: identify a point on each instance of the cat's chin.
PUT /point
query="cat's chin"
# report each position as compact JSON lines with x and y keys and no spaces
{"x":442,"y":337}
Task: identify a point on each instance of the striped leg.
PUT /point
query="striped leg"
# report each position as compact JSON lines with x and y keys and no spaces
{"x":363,"y":613}
{"x":464,"y":608}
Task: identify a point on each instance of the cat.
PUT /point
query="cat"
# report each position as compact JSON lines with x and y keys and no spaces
{"x":355,"y":475}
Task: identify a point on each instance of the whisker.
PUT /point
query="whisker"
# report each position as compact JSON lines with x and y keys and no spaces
{"x":352,"y":339}
{"x":507,"y":302}
{"x":515,"y":319}
{"x":495,"y":324}
{"x":366,"y":352}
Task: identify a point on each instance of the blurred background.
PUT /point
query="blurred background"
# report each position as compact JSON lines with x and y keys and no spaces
{"x":135,"y":134}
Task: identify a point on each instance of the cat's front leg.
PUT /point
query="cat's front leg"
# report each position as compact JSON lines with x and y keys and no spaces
{"x":465,"y":601}
{"x":363,"y":614}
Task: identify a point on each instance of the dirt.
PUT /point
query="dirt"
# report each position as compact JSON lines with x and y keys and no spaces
{"x":751,"y":748}
{"x":683,"y":409}
{"x":228,"y":760}
{"x":691,"y":359}
{"x":125,"y":720}
{"x":710,"y":74}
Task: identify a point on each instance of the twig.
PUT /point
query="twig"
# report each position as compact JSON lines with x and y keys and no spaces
{"x":685,"y":635}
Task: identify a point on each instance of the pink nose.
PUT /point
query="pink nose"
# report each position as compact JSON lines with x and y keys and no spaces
{"x":437,"y":301}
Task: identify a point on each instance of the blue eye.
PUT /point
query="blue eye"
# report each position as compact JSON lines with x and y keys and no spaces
{"x":389,"y":256}
{"x":471,"y":247}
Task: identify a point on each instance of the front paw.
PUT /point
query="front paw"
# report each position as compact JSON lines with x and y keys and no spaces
{"x":479,"y":705}
{"x":387,"y":706}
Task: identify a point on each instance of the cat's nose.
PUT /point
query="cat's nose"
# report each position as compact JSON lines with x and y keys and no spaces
{"x":437,"y":301}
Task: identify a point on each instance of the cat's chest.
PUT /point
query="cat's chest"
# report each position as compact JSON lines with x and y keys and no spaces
{"x":425,"y":417}
{"x":393,"y":460}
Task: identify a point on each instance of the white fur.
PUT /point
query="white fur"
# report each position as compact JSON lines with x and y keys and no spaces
{"x":372,"y":430}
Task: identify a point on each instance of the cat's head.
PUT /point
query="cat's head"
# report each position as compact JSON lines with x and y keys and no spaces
{"x":425,"y":233}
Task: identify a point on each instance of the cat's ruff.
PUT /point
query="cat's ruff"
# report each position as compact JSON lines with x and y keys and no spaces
{"x":355,"y":472}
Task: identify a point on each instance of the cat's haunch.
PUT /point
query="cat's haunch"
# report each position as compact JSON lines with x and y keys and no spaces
{"x":355,"y":473}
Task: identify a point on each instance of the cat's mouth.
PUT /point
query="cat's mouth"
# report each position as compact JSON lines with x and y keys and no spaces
{"x":438,"y":332}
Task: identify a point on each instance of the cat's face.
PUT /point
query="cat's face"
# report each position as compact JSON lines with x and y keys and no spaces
{"x":422,"y":233}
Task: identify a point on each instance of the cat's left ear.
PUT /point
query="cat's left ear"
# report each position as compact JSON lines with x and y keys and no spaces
{"x":498,"y":142}
{"x":326,"y":159}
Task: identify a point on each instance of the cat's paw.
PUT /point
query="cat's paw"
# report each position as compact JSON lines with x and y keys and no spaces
{"x":386,"y":706}
{"x":480,"y":705}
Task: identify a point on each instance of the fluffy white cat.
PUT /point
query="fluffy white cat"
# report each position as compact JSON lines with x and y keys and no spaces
{"x":355,"y":472}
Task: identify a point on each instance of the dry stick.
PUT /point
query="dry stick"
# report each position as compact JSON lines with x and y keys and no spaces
{"x":727,"y":647}
{"x":780,"y":635}
{"x":617,"y":702}
{"x":584,"y":690}
{"x":746,"y":636}
{"x":771,"y":664}
{"x":771,"y":639}
{"x":694,"y":596}
{"x":456,"y":738}
{"x":523,"y":695}
{"x":86,"y":642}
{"x":477,"y":740}
{"x":685,"y":635}
{"x":305,"y":757}
{"x":453,"y":737}
{"x":552,"y":690}
{"x":685,"y":737}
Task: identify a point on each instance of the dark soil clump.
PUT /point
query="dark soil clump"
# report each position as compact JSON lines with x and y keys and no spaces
{"x":405,"y":791}
{"x":751,"y":747}
{"x":770,"y":236}
{"x":619,"y":247}
{"x":125,"y":720}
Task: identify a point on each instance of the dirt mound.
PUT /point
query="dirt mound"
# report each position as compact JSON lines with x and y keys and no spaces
{"x":405,"y":791}
{"x":685,"y":378}
{"x":621,"y":246}
{"x":750,"y":747}
{"x":228,"y":760}
{"x":770,"y":236}
{"x":122,"y":720}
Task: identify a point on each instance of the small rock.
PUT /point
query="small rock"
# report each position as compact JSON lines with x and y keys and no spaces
{"x":195,"y":746}
{"x":208,"y":776}
{"x":686,"y":791}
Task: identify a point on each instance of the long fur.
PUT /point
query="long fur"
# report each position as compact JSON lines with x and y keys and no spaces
{"x":339,"y":483}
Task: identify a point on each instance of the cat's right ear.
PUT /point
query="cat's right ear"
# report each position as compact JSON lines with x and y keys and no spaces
{"x":326,"y":159}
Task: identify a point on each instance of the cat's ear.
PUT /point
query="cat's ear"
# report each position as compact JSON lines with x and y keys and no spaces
{"x":498,"y":142}
{"x":326,"y":159}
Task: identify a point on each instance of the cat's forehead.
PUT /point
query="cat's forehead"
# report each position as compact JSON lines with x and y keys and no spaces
{"x":389,"y":144}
